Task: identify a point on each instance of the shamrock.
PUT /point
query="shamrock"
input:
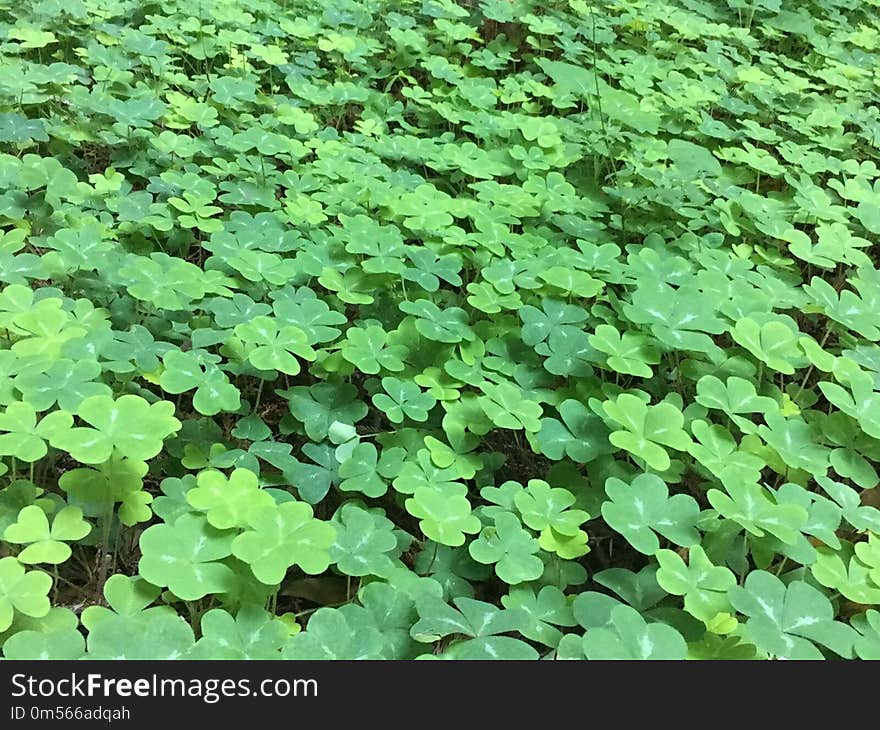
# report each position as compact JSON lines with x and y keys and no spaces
{"x":252,"y":633}
{"x":162,"y":636}
{"x":681,"y":319}
{"x":553,"y":315}
{"x":442,"y":325}
{"x":481,"y":622}
{"x":789,"y":620}
{"x":703,"y":585}
{"x":567,"y":547}
{"x":846,"y":307}
{"x":22,"y":592}
{"x":331,"y":634}
{"x":640,"y":590}
{"x":129,"y":424}
{"x":184,"y":371}
{"x":581,"y":435}
{"x":773,"y":342}
{"x":304,"y":310}
{"x":368,"y":350}
{"x":184,"y":555}
{"x":511,"y":548}
{"x":128,"y":598}
{"x":629,"y":353}
{"x":867,"y":645}
{"x":716,"y":450}
{"x":750,"y":506}
{"x":544,"y":612}
{"x":364,"y":543}
{"x":860,"y":402}
{"x":842,"y":571}
{"x":197,"y":212}
{"x":629,"y":636}
{"x":279,"y":537}
{"x":736,"y":396}
{"x":45,"y":330}
{"x":45,"y":544}
{"x":444,"y":514}
{"x":403,"y":399}
{"x":423,"y":472}
{"x":861,"y":517}
{"x":572,"y":282}
{"x":543,"y":507}
{"x":425,"y":208}
{"x":428,"y":268}
{"x":642,"y":508}
{"x":273,"y":348}
{"x":319,"y":405}
{"x":96,"y":491}
{"x":506,"y":406}
{"x":868,"y":552}
{"x":66,"y":383}
{"x":793,"y":440}
{"x":647,"y":429}
{"x":227,"y":503}
{"x":25,"y":439}
{"x":361,"y":471}
{"x":53,"y":636}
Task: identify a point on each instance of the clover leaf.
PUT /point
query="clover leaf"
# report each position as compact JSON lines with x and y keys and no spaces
{"x":162,"y":636}
{"x":96,"y":491}
{"x":330,"y":634}
{"x":403,"y":399}
{"x":46,"y":544}
{"x":629,"y":636}
{"x":789,"y":620}
{"x":581,"y":435}
{"x":368,"y":350}
{"x":66,"y":383}
{"x":843,"y":572}
{"x":319,"y":405}
{"x":482,"y":622}
{"x":184,"y":557}
{"x":544,"y":612}
{"x":129,"y":424}
{"x":444,"y":514}
{"x":128,"y":598}
{"x":793,"y":439}
{"x":751,"y":506}
{"x":647,"y":429}
{"x":442,"y":325}
{"x":252,"y":633}
{"x":553,"y":316}
{"x":703,"y":585}
{"x":510,"y":548}
{"x":868,"y":552}
{"x":361,"y":472}
{"x":629,"y":353}
{"x":773,"y":342}
{"x":26,"y":439}
{"x":22,"y":592}
{"x":364,"y":542}
{"x":642,"y":508}
{"x":53,"y":636}
{"x":281,"y":536}
{"x":717,"y":451}
{"x":185,"y":370}
{"x":228,"y":502}
{"x":273,"y":348}
{"x":505,"y":405}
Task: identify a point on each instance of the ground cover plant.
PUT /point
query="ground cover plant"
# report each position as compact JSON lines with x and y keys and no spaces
{"x":421,"y":329}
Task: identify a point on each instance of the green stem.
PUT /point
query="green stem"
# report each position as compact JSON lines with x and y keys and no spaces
{"x":259,"y":395}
